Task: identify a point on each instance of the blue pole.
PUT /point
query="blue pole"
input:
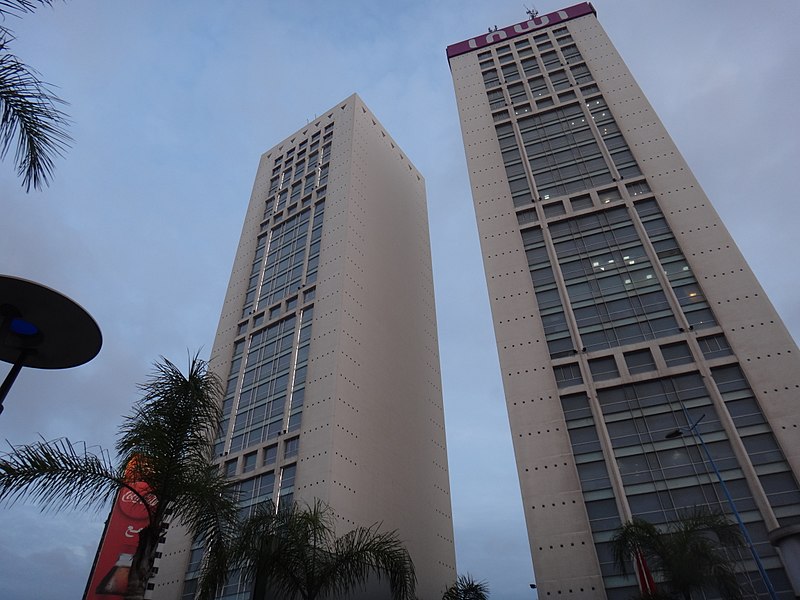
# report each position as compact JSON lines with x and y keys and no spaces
{"x":745,"y":534}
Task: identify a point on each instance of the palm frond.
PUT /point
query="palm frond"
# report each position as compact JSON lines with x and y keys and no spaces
{"x":466,"y":588}
{"x":17,"y":7}
{"x":635,"y":536}
{"x":58,"y":474}
{"x":294,"y":552}
{"x":365,"y":552}
{"x":689,"y":553}
{"x":175,"y":418}
{"x":30,"y":119}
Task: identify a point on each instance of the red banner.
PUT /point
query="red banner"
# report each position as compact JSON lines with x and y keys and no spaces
{"x":109,"y":577}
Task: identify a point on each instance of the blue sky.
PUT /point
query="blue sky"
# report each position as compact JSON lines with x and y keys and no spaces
{"x":172,"y":104}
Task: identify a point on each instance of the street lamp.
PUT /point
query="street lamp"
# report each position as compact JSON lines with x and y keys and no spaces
{"x":692,"y":428}
{"x":43,"y":329}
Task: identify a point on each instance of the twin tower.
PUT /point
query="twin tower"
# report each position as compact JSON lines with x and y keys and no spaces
{"x":623,"y":311}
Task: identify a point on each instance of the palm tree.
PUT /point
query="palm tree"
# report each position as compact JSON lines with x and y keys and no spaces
{"x":294,"y":553}
{"x":466,"y":588}
{"x":689,"y":553}
{"x":30,"y":118}
{"x":165,"y":446}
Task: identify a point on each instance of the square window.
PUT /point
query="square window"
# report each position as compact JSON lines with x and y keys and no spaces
{"x":527,"y":216}
{"x":603,"y":368}
{"x":677,"y":354}
{"x":638,"y":188}
{"x":609,"y":195}
{"x":270,"y":454}
{"x":640,"y":361}
{"x":554,"y":210}
{"x":714,"y":346}
{"x":291,"y":447}
{"x":230,"y":467}
{"x":567,"y":375}
{"x":581,"y":202}
{"x":567,"y":96}
{"x":249,"y":462}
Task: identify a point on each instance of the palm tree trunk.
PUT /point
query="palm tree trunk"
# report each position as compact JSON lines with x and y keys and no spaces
{"x":259,"y":588}
{"x":142,"y":563}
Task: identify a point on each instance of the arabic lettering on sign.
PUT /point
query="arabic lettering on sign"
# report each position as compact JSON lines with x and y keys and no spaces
{"x":131,"y":532}
{"x":492,"y":37}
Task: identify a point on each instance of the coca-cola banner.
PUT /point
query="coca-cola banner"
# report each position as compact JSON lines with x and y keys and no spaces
{"x":109,"y":577}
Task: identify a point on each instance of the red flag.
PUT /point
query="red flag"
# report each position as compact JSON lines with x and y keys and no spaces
{"x":647,"y":584}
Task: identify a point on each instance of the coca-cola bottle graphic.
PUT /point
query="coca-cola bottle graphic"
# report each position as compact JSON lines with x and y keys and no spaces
{"x":116,"y":580}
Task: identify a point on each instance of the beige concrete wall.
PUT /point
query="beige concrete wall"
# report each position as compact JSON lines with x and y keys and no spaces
{"x":558,"y":528}
{"x":372,"y":440}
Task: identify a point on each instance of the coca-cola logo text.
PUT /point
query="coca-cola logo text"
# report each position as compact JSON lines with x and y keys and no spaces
{"x":131,"y":498}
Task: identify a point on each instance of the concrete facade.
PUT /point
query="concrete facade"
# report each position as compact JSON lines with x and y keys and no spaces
{"x":622,"y":309}
{"x":360,"y":424}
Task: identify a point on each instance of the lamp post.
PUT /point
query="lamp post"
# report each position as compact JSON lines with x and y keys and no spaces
{"x":692,"y":428}
{"x":43,"y":329}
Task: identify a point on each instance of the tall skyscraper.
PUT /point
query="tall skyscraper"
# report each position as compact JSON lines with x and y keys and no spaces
{"x":328,"y":346}
{"x":623,"y":311}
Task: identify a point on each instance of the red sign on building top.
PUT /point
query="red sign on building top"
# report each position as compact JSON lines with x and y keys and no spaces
{"x":493,"y":37}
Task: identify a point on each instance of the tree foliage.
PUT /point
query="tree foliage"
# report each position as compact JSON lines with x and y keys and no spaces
{"x":689,"y":554}
{"x":164,"y":444}
{"x":466,"y":588}
{"x":31,"y":120}
{"x":294,"y":553}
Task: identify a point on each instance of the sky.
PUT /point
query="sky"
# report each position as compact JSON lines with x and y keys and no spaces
{"x":172,"y":104}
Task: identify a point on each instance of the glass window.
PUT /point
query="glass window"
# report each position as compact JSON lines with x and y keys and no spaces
{"x":288,"y":474}
{"x":291,"y":447}
{"x":575,"y":406}
{"x":510,"y":72}
{"x":559,"y":80}
{"x":762,"y":449}
{"x":603,"y":368}
{"x":566,"y":96}
{"x":249,"y":462}
{"x":550,"y":60}
{"x":270,"y":454}
{"x":609,"y":195}
{"x":230,"y":467}
{"x":527,"y":216}
{"x":677,"y":354}
{"x":640,"y":361}
{"x":715,"y":346}
{"x":581,"y":202}
{"x":554,"y":210}
{"x":638,"y":188}
{"x":567,"y":375}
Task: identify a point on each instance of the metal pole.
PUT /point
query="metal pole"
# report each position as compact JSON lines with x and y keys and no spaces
{"x":745,"y":534}
{"x":12,"y":375}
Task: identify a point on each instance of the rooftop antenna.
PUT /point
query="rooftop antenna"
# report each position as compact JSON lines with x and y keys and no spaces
{"x":532,"y":12}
